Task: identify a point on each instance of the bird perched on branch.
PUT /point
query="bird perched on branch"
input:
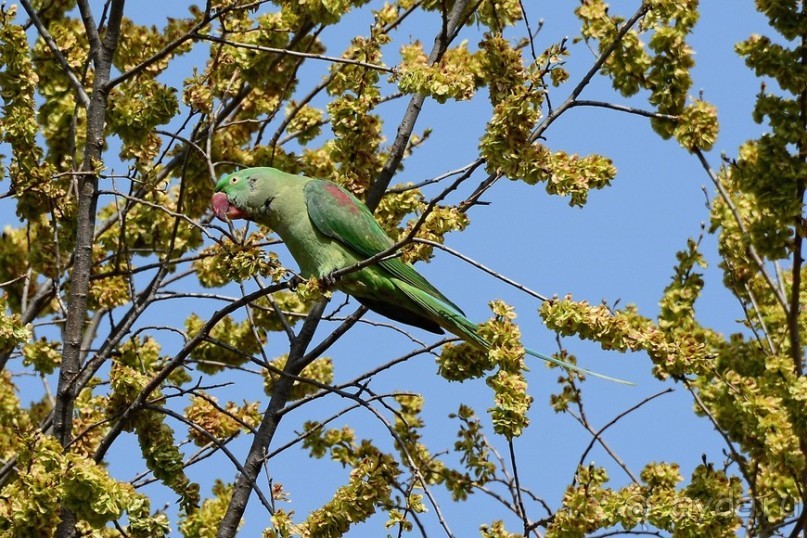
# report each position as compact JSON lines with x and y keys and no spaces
{"x":327,"y":229}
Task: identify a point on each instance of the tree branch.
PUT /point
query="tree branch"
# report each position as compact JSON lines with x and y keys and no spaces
{"x":623,"y":108}
{"x":752,"y":251}
{"x":91,"y":29}
{"x":81,"y":94}
{"x":102,"y":53}
{"x":175,"y":362}
{"x":570,"y":100}
{"x":598,"y":435}
{"x":484,"y":268}
{"x":266,"y":430}
{"x":452,"y":24}
{"x":213,"y":439}
{"x":298,"y":54}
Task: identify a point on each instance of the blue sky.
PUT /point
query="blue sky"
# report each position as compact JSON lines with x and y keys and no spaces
{"x":621,"y":246}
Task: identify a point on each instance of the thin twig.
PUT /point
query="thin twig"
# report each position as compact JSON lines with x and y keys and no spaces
{"x":298,"y":54}
{"x":737,"y":457}
{"x":81,"y":93}
{"x":752,"y":251}
{"x":578,"y":89}
{"x":522,"y":512}
{"x":484,"y":268}
{"x":598,"y":435}
{"x":624,"y":108}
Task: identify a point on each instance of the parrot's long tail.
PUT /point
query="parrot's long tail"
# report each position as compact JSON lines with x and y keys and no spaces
{"x":564,"y":364}
{"x":466,"y":329}
{"x":453,"y":320}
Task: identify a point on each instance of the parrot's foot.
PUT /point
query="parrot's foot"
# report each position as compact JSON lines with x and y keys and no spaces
{"x":327,"y":282}
{"x":295,"y":281}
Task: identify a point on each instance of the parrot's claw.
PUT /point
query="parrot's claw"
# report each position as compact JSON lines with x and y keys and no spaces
{"x":327,"y":282}
{"x":295,"y":281}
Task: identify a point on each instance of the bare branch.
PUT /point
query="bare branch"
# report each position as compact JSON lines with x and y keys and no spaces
{"x":522,"y":512}
{"x":752,"y":251}
{"x":624,"y":108}
{"x":298,"y":54}
{"x":452,"y":24}
{"x":216,"y":441}
{"x":569,"y":102}
{"x":484,"y":268}
{"x":598,"y":435}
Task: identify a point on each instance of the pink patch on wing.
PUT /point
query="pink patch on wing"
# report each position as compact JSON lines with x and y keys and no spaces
{"x":341,"y":198}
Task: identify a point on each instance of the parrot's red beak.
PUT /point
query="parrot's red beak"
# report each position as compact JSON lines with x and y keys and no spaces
{"x":224,"y":210}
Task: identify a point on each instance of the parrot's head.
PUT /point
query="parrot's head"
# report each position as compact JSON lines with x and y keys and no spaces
{"x":246,"y":194}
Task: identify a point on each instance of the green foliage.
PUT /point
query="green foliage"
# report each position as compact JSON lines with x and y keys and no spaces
{"x":12,"y":331}
{"x":508,"y":383}
{"x":506,"y":355}
{"x":13,"y":419}
{"x":354,"y":502}
{"x":18,"y":127}
{"x":204,"y":522}
{"x":463,"y":361}
{"x":751,"y":390}
{"x":58,"y":113}
{"x":661,"y":64}
{"x":456,"y":76}
{"x":475,"y":456}
{"x":369,"y":486}
{"x":496,"y":530}
{"x":319,"y":372}
{"x":50,"y":479}
{"x":408,"y":427}
{"x":91,"y":494}
{"x":218,"y":422}
{"x":517,"y":93}
{"x":230,"y":343}
{"x":155,"y":437}
{"x":704,"y":508}
{"x":31,"y":503}
{"x":227,"y":261}
{"x":90,"y":421}
{"x":676,"y":344}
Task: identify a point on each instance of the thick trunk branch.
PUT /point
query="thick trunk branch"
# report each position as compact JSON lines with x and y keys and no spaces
{"x":796,"y":351}
{"x":87,"y":204}
{"x":102,"y":53}
{"x":271,"y":418}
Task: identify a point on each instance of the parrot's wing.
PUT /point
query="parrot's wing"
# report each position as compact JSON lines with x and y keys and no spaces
{"x":338,"y":214}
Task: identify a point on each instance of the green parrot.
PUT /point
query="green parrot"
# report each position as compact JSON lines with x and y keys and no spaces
{"x":326,"y":228}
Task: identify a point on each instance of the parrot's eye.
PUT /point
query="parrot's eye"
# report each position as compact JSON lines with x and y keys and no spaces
{"x":233,"y":179}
